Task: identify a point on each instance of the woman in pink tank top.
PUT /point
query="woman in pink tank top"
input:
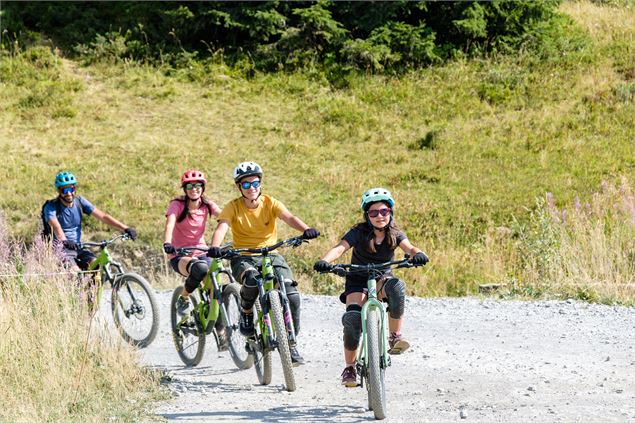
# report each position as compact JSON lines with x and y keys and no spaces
{"x":185,"y":224}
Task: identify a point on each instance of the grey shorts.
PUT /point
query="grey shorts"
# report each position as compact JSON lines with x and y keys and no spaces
{"x":241,"y":264}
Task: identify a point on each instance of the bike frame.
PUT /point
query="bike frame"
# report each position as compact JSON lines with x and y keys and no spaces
{"x":372,"y":302}
{"x":211,"y":304}
{"x":104,"y":265}
{"x":266,"y":284}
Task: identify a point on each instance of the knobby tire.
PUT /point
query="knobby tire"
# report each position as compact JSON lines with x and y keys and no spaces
{"x":283,"y":340}
{"x":239,"y":354}
{"x":376,"y":388}
{"x":189,"y":342}
{"x":140,"y":327}
{"x":262,"y":359}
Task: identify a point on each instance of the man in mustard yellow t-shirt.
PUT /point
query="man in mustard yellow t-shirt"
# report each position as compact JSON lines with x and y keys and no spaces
{"x":252,"y":218}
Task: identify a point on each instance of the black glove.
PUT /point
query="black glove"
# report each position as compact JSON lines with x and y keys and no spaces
{"x":169,"y":248}
{"x":214,"y":252}
{"x":310,"y":233}
{"x":322,"y":266}
{"x":420,"y":259}
{"x":69,"y":245}
{"x":131,"y":233}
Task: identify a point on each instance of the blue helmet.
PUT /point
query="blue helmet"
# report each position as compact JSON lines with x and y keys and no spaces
{"x":376,"y":194}
{"x":65,"y":178}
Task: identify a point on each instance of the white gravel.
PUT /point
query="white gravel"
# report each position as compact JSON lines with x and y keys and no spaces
{"x":474,"y":360}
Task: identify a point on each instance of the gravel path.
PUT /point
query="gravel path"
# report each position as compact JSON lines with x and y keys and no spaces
{"x":472,"y":360}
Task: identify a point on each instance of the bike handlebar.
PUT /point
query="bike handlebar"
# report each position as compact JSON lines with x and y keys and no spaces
{"x":103,"y":244}
{"x":185,"y":251}
{"x":374,"y":269}
{"x":293,"y":242}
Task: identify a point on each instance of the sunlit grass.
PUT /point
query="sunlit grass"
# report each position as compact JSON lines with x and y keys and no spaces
{"x":466,"y":148}
{"x":57,"y":362}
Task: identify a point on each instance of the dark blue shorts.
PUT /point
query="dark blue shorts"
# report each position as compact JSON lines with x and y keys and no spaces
{"x":82,"y":258}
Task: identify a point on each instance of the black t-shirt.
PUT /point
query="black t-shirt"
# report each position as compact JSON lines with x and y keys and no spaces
{"x":358,"y":238}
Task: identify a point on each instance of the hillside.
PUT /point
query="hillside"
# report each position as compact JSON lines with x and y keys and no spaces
{"x":466,"y":148}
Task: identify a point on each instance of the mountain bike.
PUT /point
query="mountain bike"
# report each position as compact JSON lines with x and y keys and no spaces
{"x":133,"y":304}
{"x":372,"y":354}
{"x":273,"y":323}
{"x":216,"y":311}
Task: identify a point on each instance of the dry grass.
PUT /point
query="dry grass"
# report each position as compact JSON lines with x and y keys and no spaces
{"x":56,"y":364}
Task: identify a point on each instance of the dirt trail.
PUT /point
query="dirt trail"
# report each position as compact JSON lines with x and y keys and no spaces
{"x":472,"y":360}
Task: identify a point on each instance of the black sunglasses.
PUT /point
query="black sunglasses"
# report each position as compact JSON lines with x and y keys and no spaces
{"x":377,"y":212}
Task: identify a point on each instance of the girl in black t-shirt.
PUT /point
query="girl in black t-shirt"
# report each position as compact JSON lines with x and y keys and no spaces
{"x":373,"y":241}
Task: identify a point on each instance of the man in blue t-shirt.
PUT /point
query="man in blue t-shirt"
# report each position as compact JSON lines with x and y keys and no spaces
{"x":64,"y":216}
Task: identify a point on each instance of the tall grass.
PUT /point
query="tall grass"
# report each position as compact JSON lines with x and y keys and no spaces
{"x":56,"y":363}
{"x":583,"y":250}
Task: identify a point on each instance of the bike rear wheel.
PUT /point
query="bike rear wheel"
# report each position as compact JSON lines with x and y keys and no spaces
{"x":283,"y":340}
{"x":134,"y":309}
{"x":376,"y":387}
{"x":237,"y":342}
{"x":262,"y":355}
{"x":188,"y":336}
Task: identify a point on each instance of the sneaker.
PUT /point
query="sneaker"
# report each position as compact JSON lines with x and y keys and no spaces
{"x":397,"y":344}
{"x":296,"y":358}
{"x":246,"y":324}
{"x":183,"y":308}
{"x":349,"y":377}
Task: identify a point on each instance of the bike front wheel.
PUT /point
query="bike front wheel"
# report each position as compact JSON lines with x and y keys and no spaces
{"x":134,"y":309}
{"x":282,"y":338}
{"x":376,"y":387}
{"x":261,"y":354}
{"x":188,"y":335}
{"x":237,"y":342}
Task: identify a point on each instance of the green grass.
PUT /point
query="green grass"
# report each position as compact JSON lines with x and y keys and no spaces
{"x":466,"y":148}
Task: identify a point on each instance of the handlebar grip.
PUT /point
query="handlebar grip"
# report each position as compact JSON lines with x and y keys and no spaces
{"x":338,"y":271}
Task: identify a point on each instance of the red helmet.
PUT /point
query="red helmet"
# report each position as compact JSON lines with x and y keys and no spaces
{"x":193,"y":175}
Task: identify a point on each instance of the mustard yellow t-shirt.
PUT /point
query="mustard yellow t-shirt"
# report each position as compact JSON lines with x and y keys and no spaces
{"x":253,"y":228}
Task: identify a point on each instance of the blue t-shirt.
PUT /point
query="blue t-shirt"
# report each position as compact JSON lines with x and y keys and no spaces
{"x":70,"y":217}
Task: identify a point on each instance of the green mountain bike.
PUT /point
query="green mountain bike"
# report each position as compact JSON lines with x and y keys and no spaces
{"x":133,"y":304}
{"x":372,"y":354}
{"x":216,"y":311}
{"x":273,"y":323}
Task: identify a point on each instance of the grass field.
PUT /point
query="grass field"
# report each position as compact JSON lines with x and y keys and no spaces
{"x":467,"y":148}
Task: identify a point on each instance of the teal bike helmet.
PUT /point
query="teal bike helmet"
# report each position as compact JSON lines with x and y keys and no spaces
{"x":65,"y":178}
{"x":376,"y":194}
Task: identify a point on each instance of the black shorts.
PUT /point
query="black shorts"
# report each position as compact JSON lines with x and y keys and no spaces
{"x":352,"y":285}
{"x":82,"y":258}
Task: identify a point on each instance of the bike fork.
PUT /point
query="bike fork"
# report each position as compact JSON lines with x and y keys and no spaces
{"x":264,"y":303}
{"x":288,"y":317}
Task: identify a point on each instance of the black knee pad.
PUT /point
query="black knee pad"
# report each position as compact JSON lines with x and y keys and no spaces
{"x":198,"y":269}
{"x":352,"y":321}
{"x":249,"y":290}
{"x":294,"y":304}
{"x":395,"y":291}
